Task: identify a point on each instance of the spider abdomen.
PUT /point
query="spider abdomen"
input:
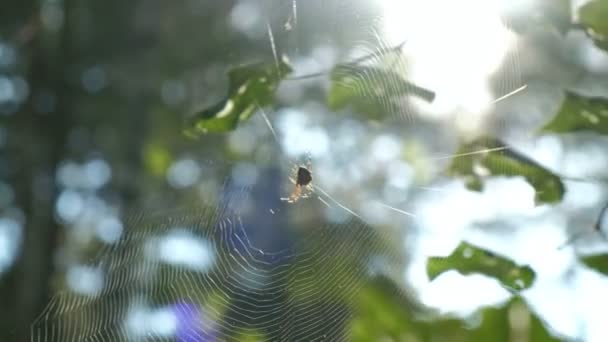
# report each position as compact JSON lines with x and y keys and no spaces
{"x":304,"y":177}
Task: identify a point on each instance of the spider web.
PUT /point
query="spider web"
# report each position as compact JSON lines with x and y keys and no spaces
{"x":259,"y":273}
{"x":251,"y":275}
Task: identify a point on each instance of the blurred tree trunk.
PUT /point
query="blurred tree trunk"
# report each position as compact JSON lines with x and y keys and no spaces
{"x":37,"y":142}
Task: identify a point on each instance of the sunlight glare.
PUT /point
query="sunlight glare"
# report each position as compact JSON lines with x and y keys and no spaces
{"x":440,"y":293}
{"x":452,"y":48}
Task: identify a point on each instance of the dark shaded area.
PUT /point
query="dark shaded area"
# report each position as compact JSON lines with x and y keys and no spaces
{"x":111,"y":80}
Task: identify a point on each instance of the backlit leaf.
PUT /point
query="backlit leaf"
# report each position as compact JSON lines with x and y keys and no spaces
{"x":597,"y":262}
{"x":580,"y":113}
{"x":250,"y":87}
{"x":371,"y":90}
{"x":469,"y":259}
{"x":593,"y":17}
{"x":487,"y":157}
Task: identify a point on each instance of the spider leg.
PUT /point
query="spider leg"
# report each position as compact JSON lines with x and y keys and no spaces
{"x":307,"y":191}
{"x":295,"y":195}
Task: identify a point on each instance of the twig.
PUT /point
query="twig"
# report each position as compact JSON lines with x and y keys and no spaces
{"x":597,"y":228}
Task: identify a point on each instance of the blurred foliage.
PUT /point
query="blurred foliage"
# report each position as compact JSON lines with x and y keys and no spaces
{"x":371,"y":91}
{"x":558,"y":13}
{"x":250,"y":337}
{"x":580,"y":113}
{"x":156,"y":159}
{"x":551,"y":14}
{"x":469,"y":259}
{"x":597,"y":262}
{"x":250,"y":87}
{"x":593,"y":16}
{"x":383,"y":313}
{"x":343,"y":260}
{"x":486,"y":156}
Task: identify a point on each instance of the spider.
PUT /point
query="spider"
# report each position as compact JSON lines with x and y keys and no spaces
{"x":302,"y":179}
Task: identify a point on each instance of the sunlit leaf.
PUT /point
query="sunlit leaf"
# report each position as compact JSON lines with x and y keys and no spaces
{"x":580,"y":113}
{"x":487,"y":157}
{"x":250,"y":87}
{"x":371,"y":90}
{"x":469,"y":259}
{"x":593,"y":17}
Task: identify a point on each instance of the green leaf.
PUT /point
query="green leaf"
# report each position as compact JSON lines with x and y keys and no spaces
{"x":597,"y":262}
{"x":370,"y":90}
{"x":468,"y":259}
{"x":486,"y":157}
{"x":593,"y":17}
{"x":580,"y":113}
{"x":250,"y":87}
{"x":539,"y":333}
{"x":537,"y":330}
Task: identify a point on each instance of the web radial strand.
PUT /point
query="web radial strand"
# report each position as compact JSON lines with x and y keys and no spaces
{"x":239,"y":287}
